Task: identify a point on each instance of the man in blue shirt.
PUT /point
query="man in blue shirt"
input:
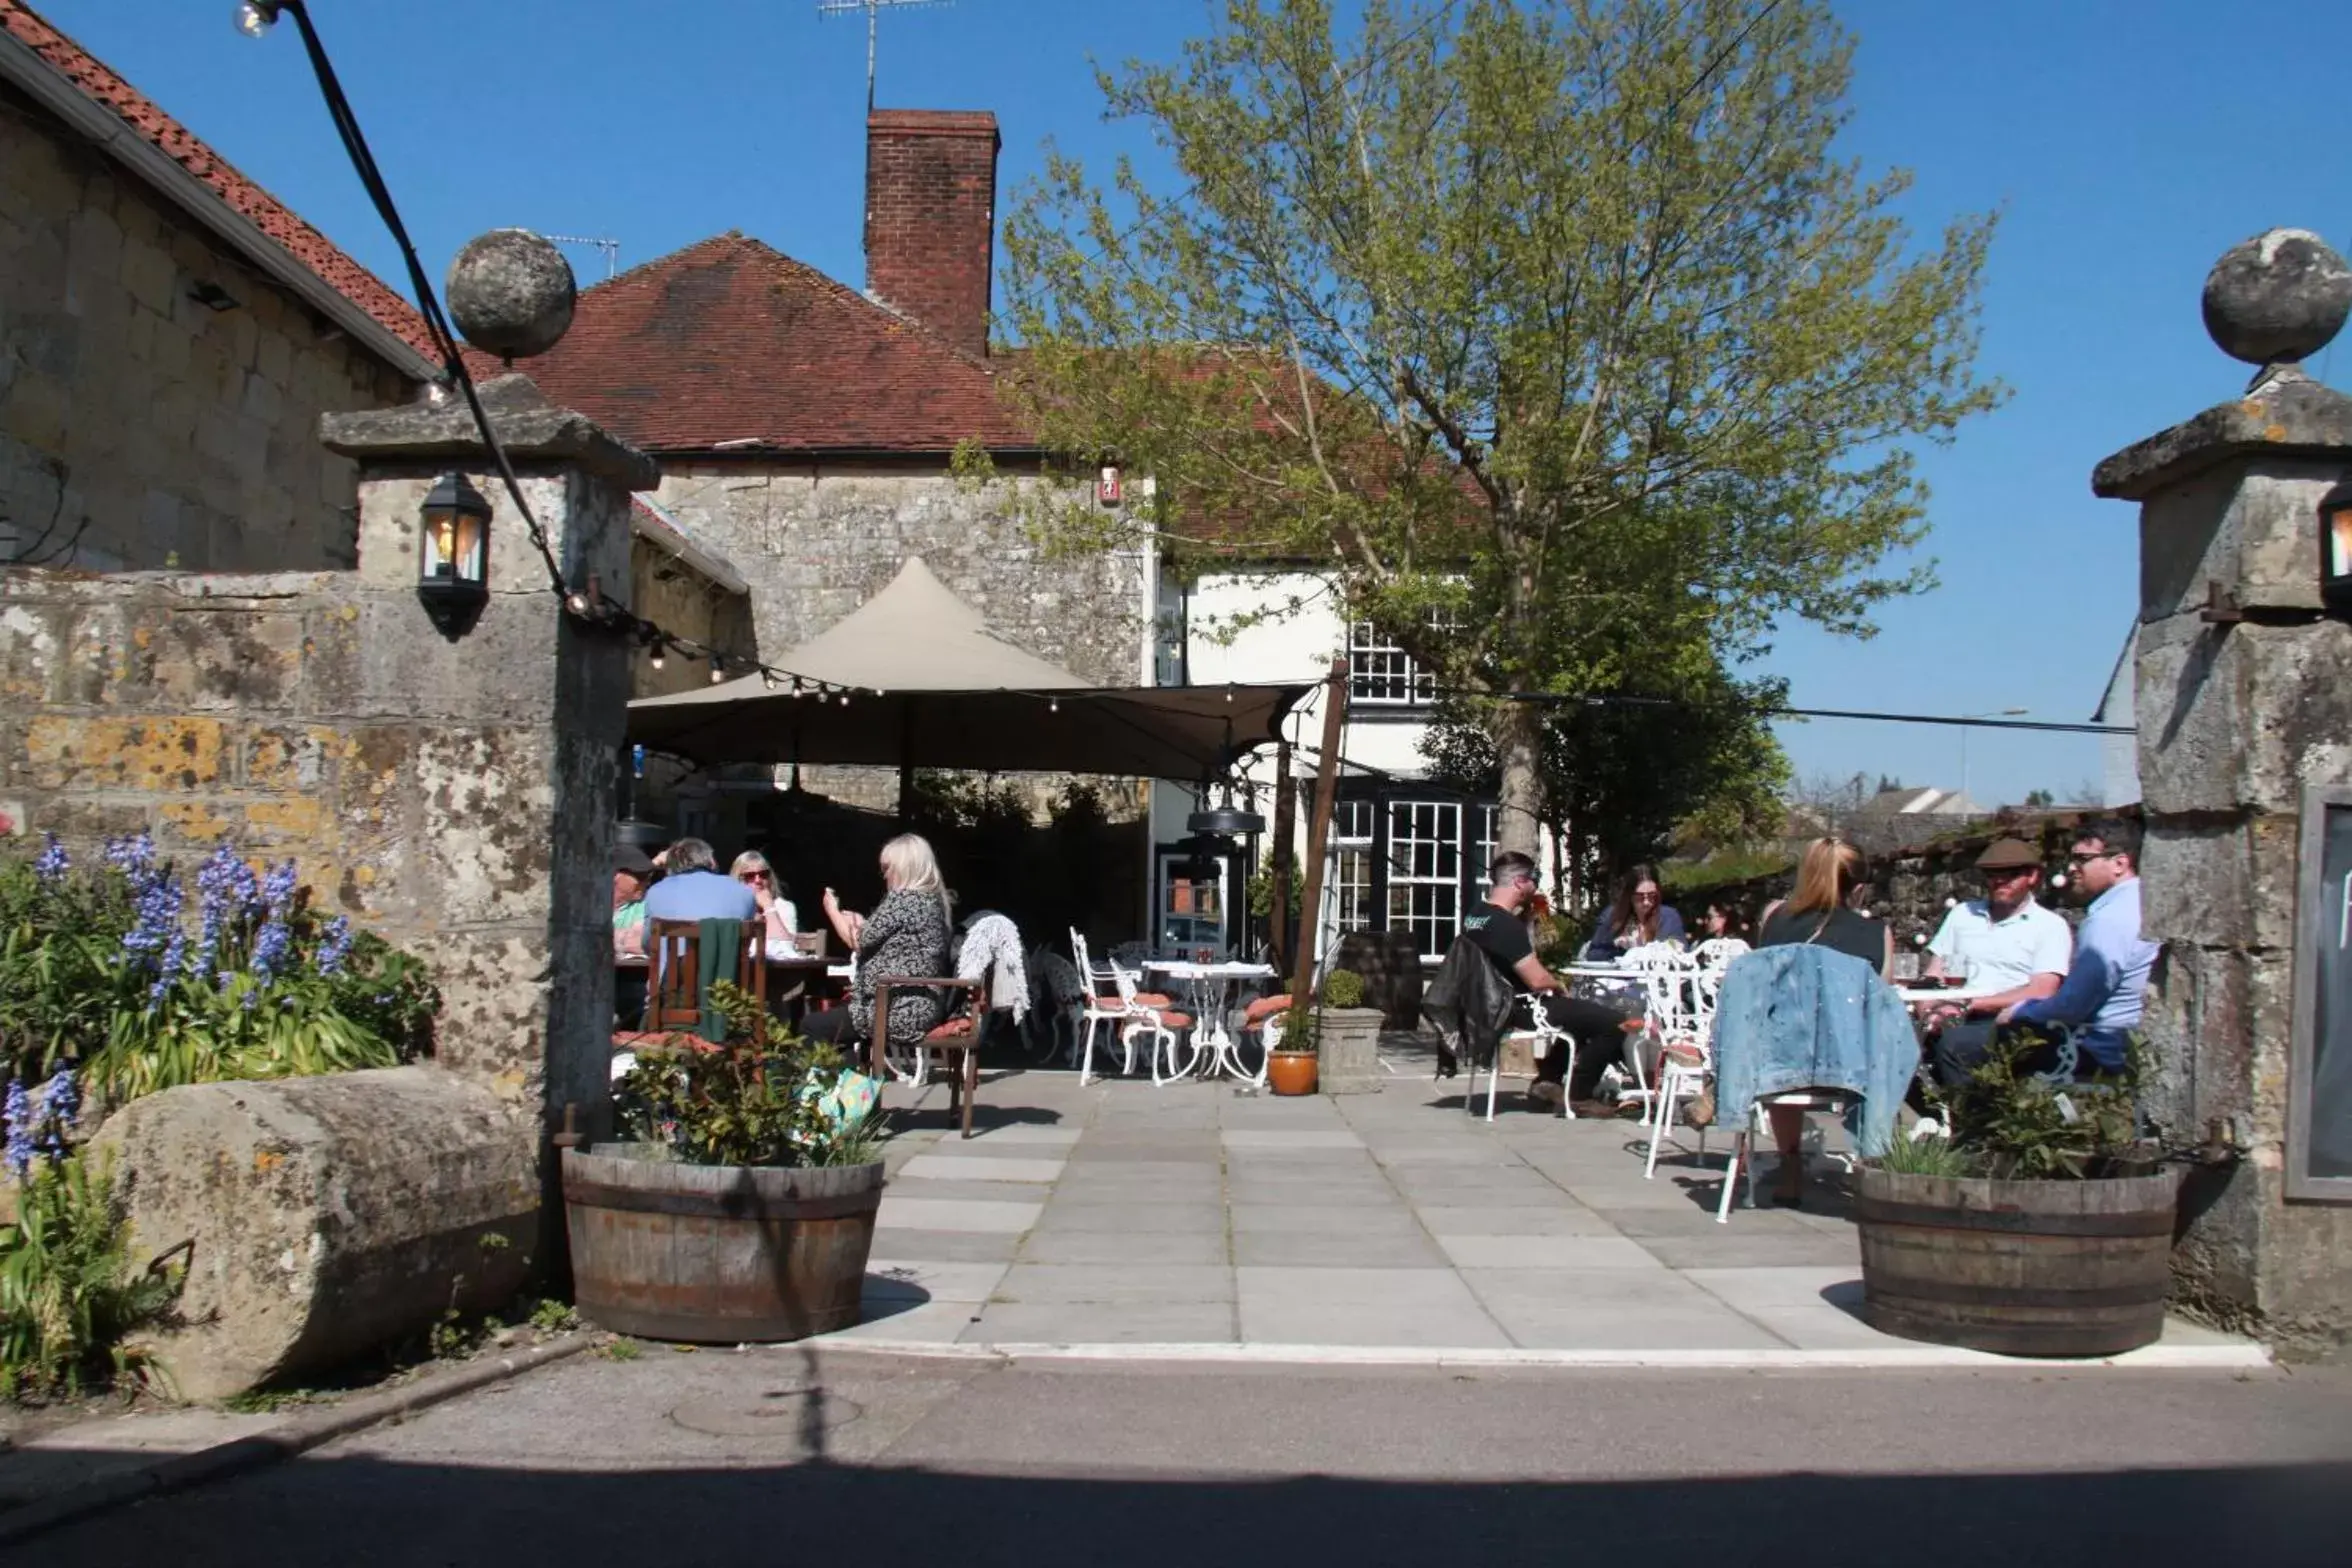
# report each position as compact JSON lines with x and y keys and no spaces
{"x":2106,"y":984}
{"x":692,"y":888}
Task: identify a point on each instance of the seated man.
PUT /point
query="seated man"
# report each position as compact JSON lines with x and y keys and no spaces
{"x":2102,"y":994}
{"x":1500,"y":931}
{"x":693,"y":889}
{"x":2013,"y":949}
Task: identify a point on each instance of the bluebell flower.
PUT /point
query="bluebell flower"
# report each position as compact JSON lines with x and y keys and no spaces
{"x":156,"y":905}
{"x":17,"y":1117}
{"x":174,"y":960}
{"x":52,"y":863}
{"x":61,"y":1102}
{"x":132,"y":855}
{"x":334,"y":946}
{"x":277,"y":889}
{"x":271,"y":948}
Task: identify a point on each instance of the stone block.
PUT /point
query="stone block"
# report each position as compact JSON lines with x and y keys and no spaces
{"x":31,"y":634}
{"x":194,"y":825}
{"x":163,"y":755}
{"x":487,"y":826}
{"x":2241,"y":716}
{"x":85,"y":823}
{"x":321,"y":1218}
{"x":2220,"y":884}
{"x":292,"y":757}
{"x":503,"y":671}
{"x":495,"y":1000}
{"x":296,"y":820}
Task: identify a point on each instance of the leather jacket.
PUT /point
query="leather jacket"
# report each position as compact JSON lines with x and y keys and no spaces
{"x":1470,"y":1003}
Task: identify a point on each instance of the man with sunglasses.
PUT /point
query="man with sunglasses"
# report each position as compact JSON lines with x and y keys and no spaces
{"x":1499,"y":928}
{"x":2107,"y":983}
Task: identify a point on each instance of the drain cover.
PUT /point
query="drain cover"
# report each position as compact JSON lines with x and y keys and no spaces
{"x":780,"y":1413}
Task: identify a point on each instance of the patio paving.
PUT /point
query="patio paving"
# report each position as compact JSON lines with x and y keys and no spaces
{"x":1192,"y":1214}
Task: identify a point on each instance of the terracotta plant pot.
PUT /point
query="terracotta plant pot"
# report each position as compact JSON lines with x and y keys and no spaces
{"x":1291,"y":1072}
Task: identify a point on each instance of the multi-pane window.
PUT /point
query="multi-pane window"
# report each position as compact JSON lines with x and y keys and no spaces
{"x":1425,"y":872}
{"x":1382,"y":673}
{"x":1351,"y":864}
{"x":1484,"y":819}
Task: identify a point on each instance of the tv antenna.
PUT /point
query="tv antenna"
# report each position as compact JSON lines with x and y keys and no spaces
{"x":872,"y":8}
{"x":609,"y":249}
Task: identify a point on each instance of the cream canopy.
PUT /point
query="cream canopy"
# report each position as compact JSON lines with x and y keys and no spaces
{"x":954,"y":695}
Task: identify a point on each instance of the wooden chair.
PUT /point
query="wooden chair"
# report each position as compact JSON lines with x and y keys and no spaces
{"x":675,"y":951}
{"x":955,"y":1040}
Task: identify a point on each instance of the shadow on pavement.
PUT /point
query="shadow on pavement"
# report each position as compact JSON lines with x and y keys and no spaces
{"x":364,"y":1511}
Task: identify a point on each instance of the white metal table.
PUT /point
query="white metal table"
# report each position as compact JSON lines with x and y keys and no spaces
{"x":1211,"y":990}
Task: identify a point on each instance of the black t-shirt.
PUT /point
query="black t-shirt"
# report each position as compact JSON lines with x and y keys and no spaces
{"x":1853,"y":934}
{"x":1503,"y":937}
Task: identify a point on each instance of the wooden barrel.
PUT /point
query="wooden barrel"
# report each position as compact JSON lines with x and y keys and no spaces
{"x":2025,"y":1268}
{"x":717,"y":1254}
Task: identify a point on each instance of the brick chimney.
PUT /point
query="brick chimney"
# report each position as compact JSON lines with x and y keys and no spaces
{"x":931,"y":218}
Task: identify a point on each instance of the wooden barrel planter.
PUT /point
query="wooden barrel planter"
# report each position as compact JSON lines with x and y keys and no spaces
{"x":717,"y":1254}
{"x":2024,"y":1268}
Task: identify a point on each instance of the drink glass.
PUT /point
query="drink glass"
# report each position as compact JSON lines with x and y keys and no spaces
{"x":1956,"y":970}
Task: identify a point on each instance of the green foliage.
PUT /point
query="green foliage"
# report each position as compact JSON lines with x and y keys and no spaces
{"x":104,"y":965}
{"x":1683,"y":748}
{"x":1299,"y":1030}
{"x":2019,"y":1126}
{"x":68,"y":1292}
{"x":1560,"y":336}
{"x":456,"y":1335}
{"x":554,"y":1317}
{"x":1343,"y":988}
{"x":1724,"y":868}
{"x":620,"y":1350}
{"x":744,"y":1103}
{"x":1912,"y":1154}
{"x":1261,"y":891}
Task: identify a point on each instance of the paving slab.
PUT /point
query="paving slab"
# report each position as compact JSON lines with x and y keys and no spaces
{"x":946,"y":1246}
{"x":1547,"y":1252}
{"x":1399,"y":1248}
{"x":958,"y":1214}
{"x":922,"y":1280}
{"x":1318,"y":1219}
{"x":1123,"y":1246}
{"x":1131,"y":1323}
{"x":1115,"y":1282}
{"x":1194,"y":1219}
{"x":990,"y":1168}
{"x":1362,"y":1306}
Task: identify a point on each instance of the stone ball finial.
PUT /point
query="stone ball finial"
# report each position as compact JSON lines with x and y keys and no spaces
{"x":511,"y":293}
{"x":2277,"y":298}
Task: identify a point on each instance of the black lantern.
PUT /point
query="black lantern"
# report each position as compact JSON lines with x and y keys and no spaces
{"x":453,"y":555}
{"x":2335,"y":548}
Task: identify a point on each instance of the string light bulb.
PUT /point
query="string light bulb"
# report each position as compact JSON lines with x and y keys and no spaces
{"x":796,"y":689}
{"x":767,"y":677}
{"x":718,"y":669}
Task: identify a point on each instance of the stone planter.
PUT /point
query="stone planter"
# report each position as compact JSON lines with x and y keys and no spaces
{"x":2024,"y":1268}
{"x":1291,"y":1072}
{"x":1348,"y":1049}
{"x":717,"y":1254}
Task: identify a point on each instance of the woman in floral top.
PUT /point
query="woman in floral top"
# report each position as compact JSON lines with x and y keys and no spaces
{"x":906,"y":935}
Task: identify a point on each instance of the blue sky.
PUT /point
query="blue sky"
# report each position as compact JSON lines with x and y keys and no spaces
{"x":2126,"y":142}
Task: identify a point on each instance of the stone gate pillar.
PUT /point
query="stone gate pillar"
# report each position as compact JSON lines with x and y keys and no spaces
{"x":488,"y":847}
{"x":2242,"y":700}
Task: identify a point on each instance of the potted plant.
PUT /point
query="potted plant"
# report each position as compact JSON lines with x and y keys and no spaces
{"x":1290,"y":1051}
{"x":1347,"y":1036}
{"x":739,"y":1204}
{"x":2030,"y":1218}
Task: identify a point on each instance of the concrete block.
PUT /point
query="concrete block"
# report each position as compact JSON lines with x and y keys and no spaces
{"x":2242,"y":716}
{"x":2220,"y":885}
{"x":319,"y":1218}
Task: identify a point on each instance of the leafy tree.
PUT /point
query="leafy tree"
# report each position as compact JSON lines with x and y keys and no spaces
{"x":1623,"y":774}
{"x":2039,"y":799}
{"x":1560,"y":320}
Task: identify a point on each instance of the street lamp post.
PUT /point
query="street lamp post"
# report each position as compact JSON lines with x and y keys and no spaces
{"x":1989,"y":713}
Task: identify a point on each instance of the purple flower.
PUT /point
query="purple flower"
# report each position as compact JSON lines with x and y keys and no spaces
{"x":334,"y":946}
{"x":61,"y":1101}
{"x":132,"y":856}
{"x":17,"y":1116}
{"x":270,"y":949}
{"x":156,"y":903}
{"x":52,"y":863}
{"x":277,"y":889}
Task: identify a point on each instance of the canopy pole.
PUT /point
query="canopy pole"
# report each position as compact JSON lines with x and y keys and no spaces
{"x":1302,"y":974}
{"x":906,"y":765}
{"x":1285,"y":854}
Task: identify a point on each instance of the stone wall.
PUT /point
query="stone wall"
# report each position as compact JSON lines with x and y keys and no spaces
{"x":319,"y":716}
{"x":158,"y":430}
{"x":815,"y":541}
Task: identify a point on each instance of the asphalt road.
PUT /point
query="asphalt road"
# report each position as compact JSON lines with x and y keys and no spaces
{"x":780,"y":1456}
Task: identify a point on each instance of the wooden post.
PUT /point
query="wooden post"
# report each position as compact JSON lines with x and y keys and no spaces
{"x":1302,"y":969}
{"x":1285,"y":855}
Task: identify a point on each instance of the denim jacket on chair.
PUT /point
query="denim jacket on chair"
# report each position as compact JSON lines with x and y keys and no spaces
{"x":1805,"y":1017}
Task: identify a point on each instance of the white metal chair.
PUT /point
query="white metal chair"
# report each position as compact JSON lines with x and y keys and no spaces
{"x":1130,"y":1012}
{"x":1543,"y":1038}
{"x":1716,"y":952}
{"x":1682,"y":1021}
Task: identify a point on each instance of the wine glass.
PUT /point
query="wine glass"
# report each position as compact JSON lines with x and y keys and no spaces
{"x":1956,"y":970}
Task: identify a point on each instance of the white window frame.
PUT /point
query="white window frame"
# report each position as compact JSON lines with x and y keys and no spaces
{"x":1382,"y":675}
{"x":1434,"y":930}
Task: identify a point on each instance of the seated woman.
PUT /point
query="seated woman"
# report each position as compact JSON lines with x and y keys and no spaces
{"x":1820,"y":912}
{"x":1725,"y":921}
{"x":778,"y":919}
{"x":905,"y":936}
{"x":1637,"y":917}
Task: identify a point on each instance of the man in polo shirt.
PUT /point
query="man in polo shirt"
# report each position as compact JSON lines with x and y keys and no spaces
{"x":2012,"y":949}
{"x":694,"y":889}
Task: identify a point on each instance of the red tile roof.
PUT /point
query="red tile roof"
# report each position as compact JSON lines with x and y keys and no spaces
{"x":306,"y":244}
{"x":732,"y":341}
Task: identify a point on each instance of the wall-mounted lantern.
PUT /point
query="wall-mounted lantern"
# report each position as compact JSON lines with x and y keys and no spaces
{"x":2335,"y":548}
{"x":453,"y":556}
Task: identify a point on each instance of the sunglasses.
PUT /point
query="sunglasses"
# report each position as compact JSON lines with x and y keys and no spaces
{"x":751,"y":876}
{"x":2008,"y":873}
{"x":2083,"y":857}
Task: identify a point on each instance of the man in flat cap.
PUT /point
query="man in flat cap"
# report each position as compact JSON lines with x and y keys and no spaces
{"x":2005,"y":947}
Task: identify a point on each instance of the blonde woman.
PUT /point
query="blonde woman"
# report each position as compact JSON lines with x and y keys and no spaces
{"x":1820,"y":912}
{"x":777,"y":916}
{"x":905,"y":936}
